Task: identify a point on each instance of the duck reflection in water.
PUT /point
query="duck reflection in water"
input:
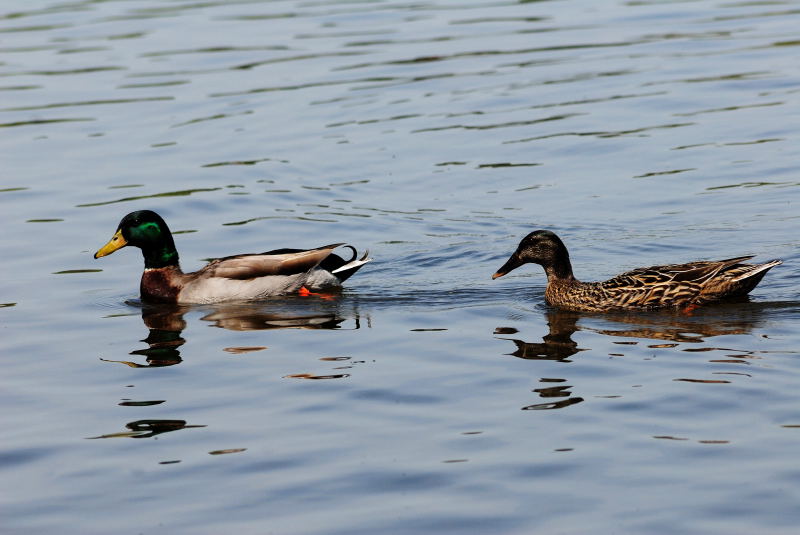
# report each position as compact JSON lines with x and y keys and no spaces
{"x":149,"y":428}
{"x":558,"y":345}
{"x":712,"y":321}
{"x":166,"y":324}
{"x":737,"y":317}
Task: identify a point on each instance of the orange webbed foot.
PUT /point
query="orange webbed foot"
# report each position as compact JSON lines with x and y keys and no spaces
{"x":689,"y":309}
{"x":305,"y":292}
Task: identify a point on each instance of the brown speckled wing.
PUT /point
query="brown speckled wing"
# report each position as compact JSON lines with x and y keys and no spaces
{"x":649,"y":291}
{"x":737,"y":281}
{"x":671,"y":285}
{"x":675,"y":285}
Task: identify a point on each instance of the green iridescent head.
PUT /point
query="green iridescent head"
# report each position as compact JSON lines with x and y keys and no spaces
{"x":146,"y":230}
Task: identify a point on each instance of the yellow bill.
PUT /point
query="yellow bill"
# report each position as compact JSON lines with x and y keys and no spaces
{"x":117,"y":242}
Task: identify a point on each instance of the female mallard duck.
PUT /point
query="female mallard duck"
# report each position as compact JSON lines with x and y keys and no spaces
{"x":679,"y":285}
{"x":234,"y":278}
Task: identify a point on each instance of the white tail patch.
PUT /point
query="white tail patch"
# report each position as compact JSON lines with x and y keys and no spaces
{"x":354,"y":263}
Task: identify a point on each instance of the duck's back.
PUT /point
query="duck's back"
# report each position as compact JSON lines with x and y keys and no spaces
{"x":675,"y":285}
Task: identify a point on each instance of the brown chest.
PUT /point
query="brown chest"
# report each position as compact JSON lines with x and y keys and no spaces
{"x":159,"y":285}
{"x":573,"y":295}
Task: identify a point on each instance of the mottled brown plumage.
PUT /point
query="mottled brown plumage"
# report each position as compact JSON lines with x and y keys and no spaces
{"x":676,"y":285}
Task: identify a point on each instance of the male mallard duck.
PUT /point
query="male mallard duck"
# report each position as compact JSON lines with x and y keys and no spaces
{"x":234,"y":278}
{"x":678,"y":285}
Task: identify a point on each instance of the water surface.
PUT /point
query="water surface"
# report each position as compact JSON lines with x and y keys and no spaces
{"x":427,"y":397}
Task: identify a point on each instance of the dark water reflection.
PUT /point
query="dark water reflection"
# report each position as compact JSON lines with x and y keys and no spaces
{"x":723,"y":319}
{"x":167,"y":322}
{"x":556,"y":345}
{"x":634,"y":329}
{"x":246,"y":319}
{"x":708,"y":322}
{"x":149,"y":429}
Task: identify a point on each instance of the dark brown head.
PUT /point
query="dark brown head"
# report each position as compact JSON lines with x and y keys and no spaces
{"x":540,"y":247}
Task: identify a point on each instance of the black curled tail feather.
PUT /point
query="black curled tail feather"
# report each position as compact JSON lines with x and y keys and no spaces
{"x":348,"y":268}
{"x":334,"y":261}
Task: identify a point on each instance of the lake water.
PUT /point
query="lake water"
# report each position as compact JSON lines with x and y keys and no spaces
{"x":427,"y":398}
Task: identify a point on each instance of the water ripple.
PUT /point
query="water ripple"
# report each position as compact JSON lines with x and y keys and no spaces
{"x":436,"y":134}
